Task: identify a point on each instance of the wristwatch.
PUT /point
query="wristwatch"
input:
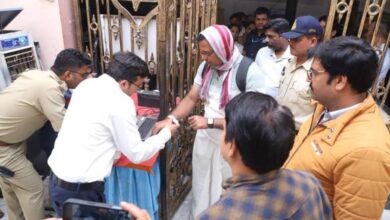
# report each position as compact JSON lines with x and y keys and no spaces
{"x":210,"y":122}
{"x":174,"y":119}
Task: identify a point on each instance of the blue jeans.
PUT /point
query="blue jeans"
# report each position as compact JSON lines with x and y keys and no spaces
{"x":59,"y":195}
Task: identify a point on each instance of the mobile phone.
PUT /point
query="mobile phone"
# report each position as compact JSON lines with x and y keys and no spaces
{"x":5,"y":172}
{"x":77,"y":209}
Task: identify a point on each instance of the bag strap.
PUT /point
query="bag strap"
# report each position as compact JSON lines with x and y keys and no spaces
{"x":242,"y":72}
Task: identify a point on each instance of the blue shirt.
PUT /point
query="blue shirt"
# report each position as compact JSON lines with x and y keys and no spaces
{"x":253,"y":44}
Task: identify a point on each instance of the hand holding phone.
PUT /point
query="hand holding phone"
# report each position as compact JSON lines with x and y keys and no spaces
{"x":137,"y":213}
{"x":77,"y":209}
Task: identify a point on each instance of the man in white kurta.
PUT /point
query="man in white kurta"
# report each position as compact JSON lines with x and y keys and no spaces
{"x":214,"y":84}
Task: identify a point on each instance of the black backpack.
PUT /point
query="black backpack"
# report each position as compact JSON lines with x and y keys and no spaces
{"x":242,"y":72}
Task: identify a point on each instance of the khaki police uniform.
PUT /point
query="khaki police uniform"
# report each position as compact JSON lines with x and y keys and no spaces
{"x":32,"y":99}
{"x":295,"y":92}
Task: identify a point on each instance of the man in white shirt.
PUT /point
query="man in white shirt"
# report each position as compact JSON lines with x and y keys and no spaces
{"x":273,"y":59}
{"x":101,"y":120}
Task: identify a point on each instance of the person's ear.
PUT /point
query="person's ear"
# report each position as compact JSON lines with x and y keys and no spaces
{"x":124,"y":84}
{"x":313,"y":41}
{"x":231,"y":149}
{"x":341,"y":82}
{"x":66,"y":76}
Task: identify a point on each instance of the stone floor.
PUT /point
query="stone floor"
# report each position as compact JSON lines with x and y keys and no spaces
{"x":184,"y":211}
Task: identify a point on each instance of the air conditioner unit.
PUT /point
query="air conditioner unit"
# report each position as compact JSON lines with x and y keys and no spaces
{"x":17,"y":50}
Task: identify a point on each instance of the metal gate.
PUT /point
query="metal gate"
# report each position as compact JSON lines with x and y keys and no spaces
{"x":364,"y":19}
{"x":163,"y":33}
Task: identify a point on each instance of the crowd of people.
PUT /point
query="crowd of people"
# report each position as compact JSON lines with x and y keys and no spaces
{"x":289,"y":130}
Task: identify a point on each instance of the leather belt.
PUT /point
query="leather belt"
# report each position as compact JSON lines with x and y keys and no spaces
{"x":4,"y":144}
{"x":97,"y":185}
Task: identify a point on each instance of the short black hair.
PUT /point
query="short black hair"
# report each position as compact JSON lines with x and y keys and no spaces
{"x":323,"y":18}
{"x":234,"y":25}
{"x":127,"y":66}
{"x":235,"y":15}
{"x":278,"y":25}
{"x":262,"y":130}
{"x":70,"y":59}
{"x":349,"y":56}
{"x":241,"y":14}
{"x":262,"y":11}
{"x":200,"y":38}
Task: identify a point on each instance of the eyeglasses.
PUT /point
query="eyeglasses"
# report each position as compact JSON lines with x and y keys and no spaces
{"x":139,"y":87}
{"x":82,"y":75}
{"x":312,"y":72}
{"x":206,"y":53}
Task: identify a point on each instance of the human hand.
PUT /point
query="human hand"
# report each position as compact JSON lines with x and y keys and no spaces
{"x":135,"y":212}
{"x":161,"y":124}
{"x":173,"y":128}
{"x":197,"y":122}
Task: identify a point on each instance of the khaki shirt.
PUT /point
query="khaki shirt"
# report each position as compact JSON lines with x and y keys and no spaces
{"x":294,"y":91}
{"x":32,"y":99}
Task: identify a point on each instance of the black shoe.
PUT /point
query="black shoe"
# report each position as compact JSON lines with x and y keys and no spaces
{"x":1,"y":214}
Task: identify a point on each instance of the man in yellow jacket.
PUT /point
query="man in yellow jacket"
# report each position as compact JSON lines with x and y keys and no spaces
{"x":345,"y":144}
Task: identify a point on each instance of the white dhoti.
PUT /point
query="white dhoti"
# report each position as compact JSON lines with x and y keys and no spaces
{"x":209,"y":169}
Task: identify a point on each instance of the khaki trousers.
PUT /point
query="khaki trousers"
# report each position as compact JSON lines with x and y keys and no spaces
{"x":23,"y":193}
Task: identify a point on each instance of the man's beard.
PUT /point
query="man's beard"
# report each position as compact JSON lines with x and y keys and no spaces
{"x":273,"y":47}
